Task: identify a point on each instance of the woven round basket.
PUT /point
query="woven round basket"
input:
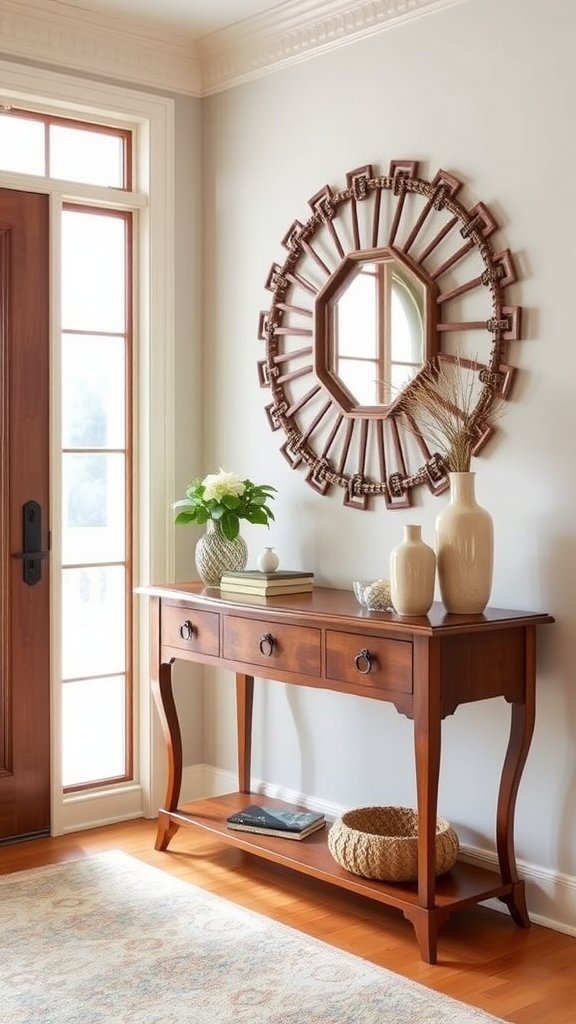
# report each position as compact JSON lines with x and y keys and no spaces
{"x":382,"y":842}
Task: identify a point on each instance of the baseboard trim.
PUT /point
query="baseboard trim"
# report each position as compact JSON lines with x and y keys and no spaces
{"x":94,"y":808}
{"x":551,"y":896}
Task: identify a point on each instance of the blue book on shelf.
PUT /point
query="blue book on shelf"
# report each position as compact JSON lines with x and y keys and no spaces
{"x":267,"y":817}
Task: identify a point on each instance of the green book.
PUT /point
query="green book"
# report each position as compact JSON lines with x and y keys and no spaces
{"x":255,"y":575}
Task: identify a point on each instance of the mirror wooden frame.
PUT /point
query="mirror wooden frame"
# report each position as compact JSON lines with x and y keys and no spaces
{"x":372,"y":452}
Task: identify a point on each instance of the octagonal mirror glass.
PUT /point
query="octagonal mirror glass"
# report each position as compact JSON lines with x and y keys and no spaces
{"x":373,"y":330}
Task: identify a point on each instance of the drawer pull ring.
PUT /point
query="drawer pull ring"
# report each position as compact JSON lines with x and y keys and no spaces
{"x":266,"y":645}
{"x":363,"y":658}
{"x":187,"y":630}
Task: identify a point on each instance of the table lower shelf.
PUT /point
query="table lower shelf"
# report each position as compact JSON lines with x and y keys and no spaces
{"x":463,"y":885}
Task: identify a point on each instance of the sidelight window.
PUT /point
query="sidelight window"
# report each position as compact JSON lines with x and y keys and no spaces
{"x":96,"y":473}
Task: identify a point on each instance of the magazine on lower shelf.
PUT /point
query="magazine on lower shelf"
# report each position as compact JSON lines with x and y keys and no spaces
{"x":276,"y":821}
{"x":282,"y":833}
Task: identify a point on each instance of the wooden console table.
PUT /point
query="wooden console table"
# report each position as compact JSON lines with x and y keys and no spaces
{"x":425,"y":666}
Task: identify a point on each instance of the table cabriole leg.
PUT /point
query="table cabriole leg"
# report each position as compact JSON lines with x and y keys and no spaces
{"x":516,"y":903}
{"x":522,"y":717}
{"x":164,"y":699}
{"x":165,"y":832}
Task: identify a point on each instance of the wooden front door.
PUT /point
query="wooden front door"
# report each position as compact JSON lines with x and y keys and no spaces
{"x":24,"y":491}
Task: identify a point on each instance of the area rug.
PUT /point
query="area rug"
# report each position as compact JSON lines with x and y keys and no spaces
{"x":111,"y":940}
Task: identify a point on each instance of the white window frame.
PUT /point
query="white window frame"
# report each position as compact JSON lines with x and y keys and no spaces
{"x":152,"y":119}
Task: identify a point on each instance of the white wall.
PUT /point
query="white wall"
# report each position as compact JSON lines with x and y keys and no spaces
{"x":487,"y":91}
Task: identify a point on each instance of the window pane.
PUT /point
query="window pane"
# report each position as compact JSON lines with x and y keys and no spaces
{"x":361,"y":378}
{"x":400,"y":375}
{"x":93,"y":272}
{"x":356,"y":313}
{"x":93,"y":524}
{"x":21,"y":145}
{"x":80,"y":154}
{"x":93,"y":730}
{"x":93,"y":624}
{"x":407,"y":331}
{"x":93,"y":392}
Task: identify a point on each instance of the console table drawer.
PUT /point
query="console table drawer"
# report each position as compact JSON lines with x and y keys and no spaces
{"x":369,"y":661}
{"x":190,"y":630}
{"x":272,"y":645}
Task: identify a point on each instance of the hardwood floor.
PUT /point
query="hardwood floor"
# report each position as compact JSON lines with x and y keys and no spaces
{"x":523,"y":976}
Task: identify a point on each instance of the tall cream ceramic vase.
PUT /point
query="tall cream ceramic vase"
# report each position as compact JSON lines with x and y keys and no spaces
{"x":412,"y":574}
{"x":464,"y":549}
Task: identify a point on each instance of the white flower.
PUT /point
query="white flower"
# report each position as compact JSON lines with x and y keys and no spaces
{"x":218,"y":485}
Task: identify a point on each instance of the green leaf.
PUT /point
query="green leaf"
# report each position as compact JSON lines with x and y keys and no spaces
{"x":231,"y":501}
{"x":184,"y":517}
{"x":258,"y":516}
{"x":230,"y":526}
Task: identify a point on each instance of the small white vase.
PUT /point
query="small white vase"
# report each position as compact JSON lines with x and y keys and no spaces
{"x":268,"y":560}
{"x":464,"y":549}
{"x":412,"y":574}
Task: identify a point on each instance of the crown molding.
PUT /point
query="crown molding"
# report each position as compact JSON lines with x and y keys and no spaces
{"x":296,"y":31}
{"x":127,"y":50}
{"x":76,"y":39}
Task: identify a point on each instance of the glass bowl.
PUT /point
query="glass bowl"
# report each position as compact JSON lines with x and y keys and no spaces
{"x":373,"y":594}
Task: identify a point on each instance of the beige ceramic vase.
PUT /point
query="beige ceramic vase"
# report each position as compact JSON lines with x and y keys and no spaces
{"x":412,"y":574}
{"x":464,"y":549}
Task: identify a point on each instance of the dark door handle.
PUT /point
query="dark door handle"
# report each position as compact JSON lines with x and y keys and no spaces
{"x":31,"y":554}
{"x":266,"y":645}
{"x":363,"y":661}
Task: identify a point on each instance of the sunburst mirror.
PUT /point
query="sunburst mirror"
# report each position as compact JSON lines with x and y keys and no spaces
{"x":386,"y":277}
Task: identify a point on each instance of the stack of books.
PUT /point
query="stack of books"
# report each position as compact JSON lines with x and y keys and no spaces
{"x":274,"y":821}
{"x":266,"y":584}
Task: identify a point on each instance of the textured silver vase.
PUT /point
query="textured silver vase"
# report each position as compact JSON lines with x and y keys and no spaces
{"x":215,"y":554}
